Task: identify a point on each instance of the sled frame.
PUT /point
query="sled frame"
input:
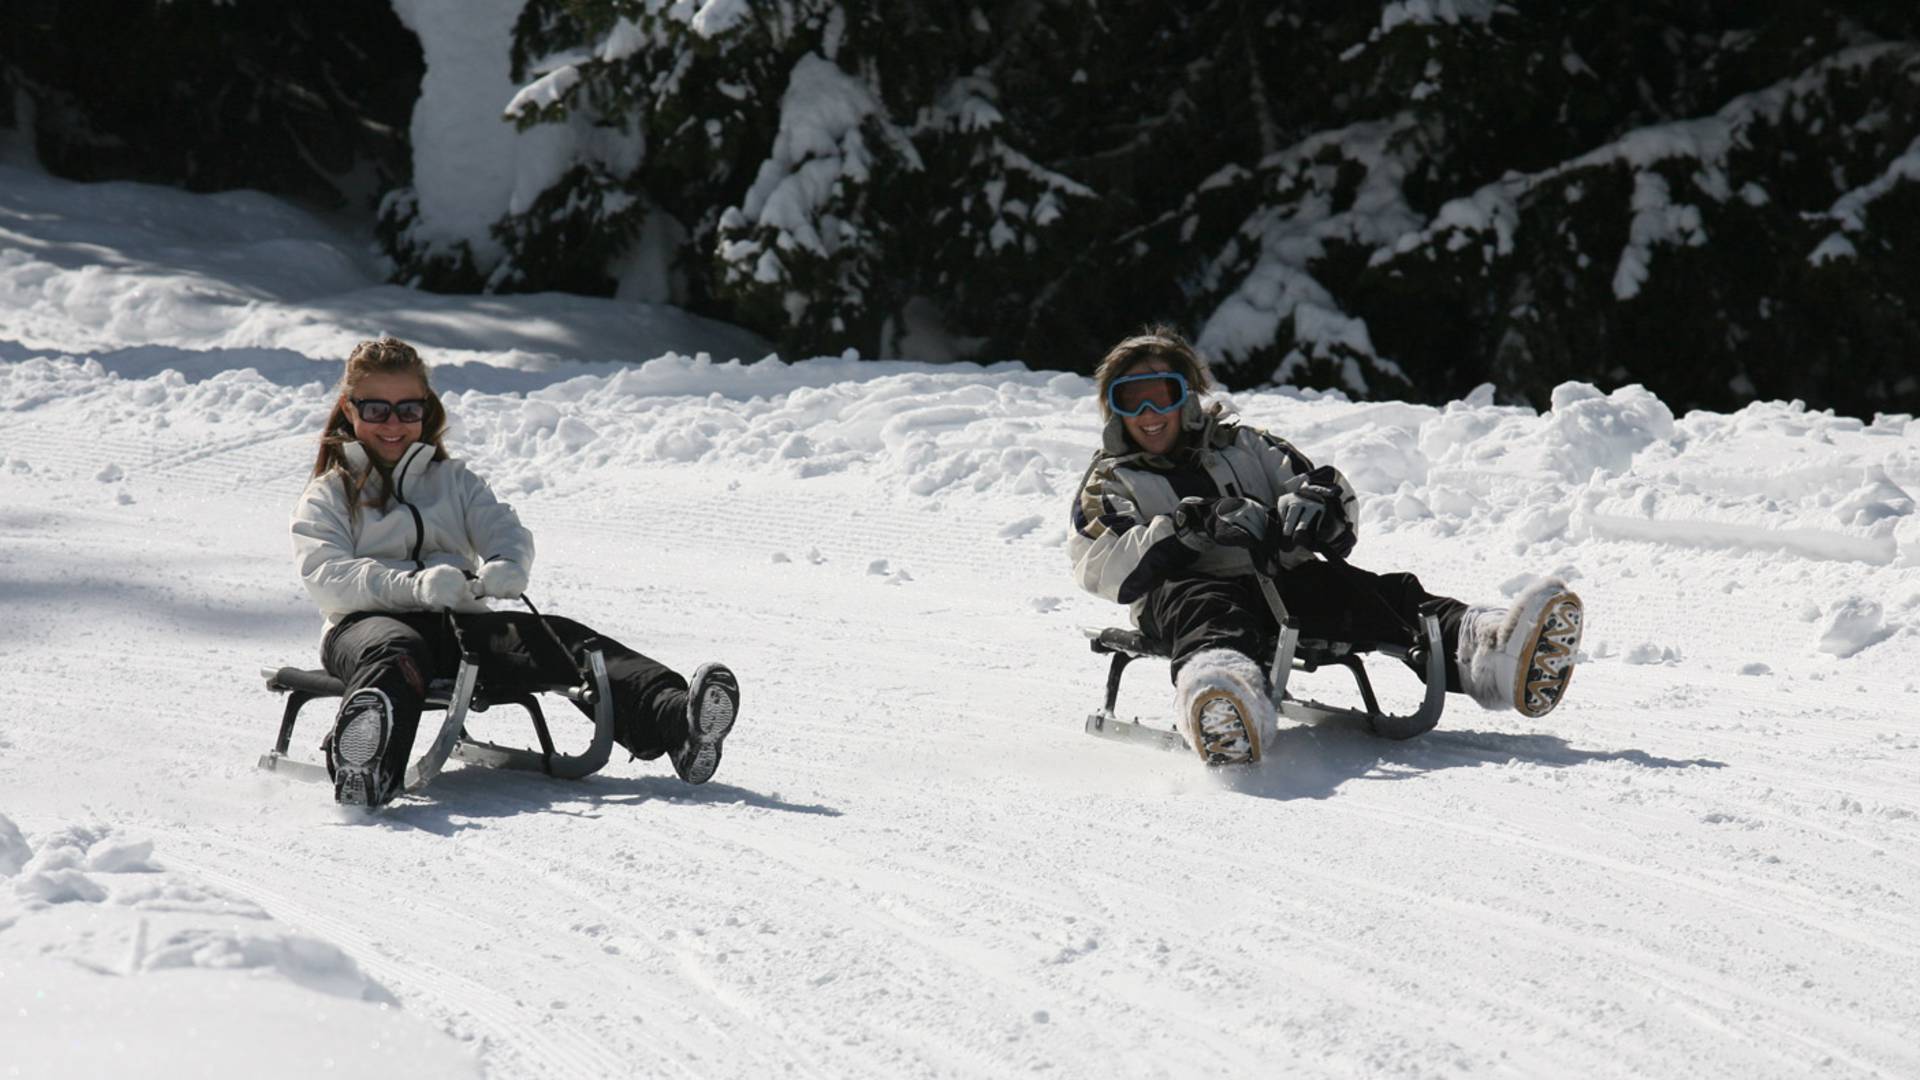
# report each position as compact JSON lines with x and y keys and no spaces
{"x":456,"y":698}
{"x":1290,"y":654}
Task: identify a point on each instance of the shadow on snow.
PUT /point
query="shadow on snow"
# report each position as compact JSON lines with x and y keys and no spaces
{"x":465,"y":798}
{"x":1311,"y":762}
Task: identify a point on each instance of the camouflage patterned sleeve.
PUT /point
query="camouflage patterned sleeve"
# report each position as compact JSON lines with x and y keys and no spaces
{"x":1118,"y":553}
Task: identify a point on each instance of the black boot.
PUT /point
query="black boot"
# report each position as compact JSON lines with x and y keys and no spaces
{"x":356,"y":753}
{"x":712,"y":703}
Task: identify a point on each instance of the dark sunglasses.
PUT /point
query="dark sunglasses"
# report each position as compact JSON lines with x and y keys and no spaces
{"x":1161,"y":391}
{"x":376,"y":411}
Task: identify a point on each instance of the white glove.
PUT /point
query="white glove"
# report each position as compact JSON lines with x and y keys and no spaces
{"x":501,"y":577}
{"x":441,"y":587}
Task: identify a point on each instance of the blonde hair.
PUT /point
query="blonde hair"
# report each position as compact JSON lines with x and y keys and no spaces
{"x":1151,"y":343}
{"x":386,"y":355}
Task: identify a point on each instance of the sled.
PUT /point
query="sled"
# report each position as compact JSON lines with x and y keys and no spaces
{"x":457,"y":697}
{"x":1291,"y":653}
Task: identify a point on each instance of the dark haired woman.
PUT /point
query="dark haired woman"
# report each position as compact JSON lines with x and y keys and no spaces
{"x":1183,"y":511}
{"x":391,"y":535}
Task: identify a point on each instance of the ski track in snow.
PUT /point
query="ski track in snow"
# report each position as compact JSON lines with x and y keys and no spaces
{"x":913,"y":863}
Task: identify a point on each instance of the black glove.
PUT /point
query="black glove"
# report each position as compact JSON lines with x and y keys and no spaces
{"x":1238,"y":522}
{"x":1192,"y":517}
{"x":1297,"y":516}
{"x":1230,"y":522}
{"x":1310,"y":518}
{"x":1330,"y":533}
{"x":1340,"y":544}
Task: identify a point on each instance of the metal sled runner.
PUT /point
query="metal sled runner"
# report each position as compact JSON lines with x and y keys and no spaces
{"x":1291,"y":653}
{"x":457,"y":698}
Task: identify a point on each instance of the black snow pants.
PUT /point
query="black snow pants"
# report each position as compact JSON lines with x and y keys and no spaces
{"x":1331,"y":600}
{"x":401,"y":652}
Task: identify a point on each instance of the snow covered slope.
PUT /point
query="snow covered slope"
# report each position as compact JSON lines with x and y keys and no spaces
{"x":912,"y":862}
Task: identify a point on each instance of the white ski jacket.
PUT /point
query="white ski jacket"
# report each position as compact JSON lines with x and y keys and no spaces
{"x":1123,"y":541}
{"x":441,"y":515}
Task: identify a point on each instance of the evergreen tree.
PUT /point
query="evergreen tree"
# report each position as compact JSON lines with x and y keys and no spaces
{"x":1703,"y":250}
{"x":1715,"y":199}
{"x":1666,"y":195}
{"x":309,"y":101}
{"x":820,"y":174}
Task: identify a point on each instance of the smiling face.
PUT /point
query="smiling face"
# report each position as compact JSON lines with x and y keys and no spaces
{"x":390,"y":438}
{"x":1156,"y":433}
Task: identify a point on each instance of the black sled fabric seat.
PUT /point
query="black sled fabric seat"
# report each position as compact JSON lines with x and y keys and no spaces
{"x":310,"y":684}
{"x":305,"y":685}
{"x":1293,"y":653}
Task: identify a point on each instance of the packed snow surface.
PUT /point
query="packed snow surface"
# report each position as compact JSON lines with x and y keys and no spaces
{"x":913,"y":862}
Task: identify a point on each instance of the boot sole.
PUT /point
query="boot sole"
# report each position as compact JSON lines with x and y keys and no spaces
{"x":715,"y":704}
{"x":358,"y":744}
{"x":1228,"y":742}
{"x":1549,"y":657}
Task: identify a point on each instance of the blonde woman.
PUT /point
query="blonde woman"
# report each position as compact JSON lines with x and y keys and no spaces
{"x":391,"y":536}
{"x":1183,"y":510}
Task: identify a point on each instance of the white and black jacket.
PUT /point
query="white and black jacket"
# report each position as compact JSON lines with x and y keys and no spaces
{"x":441,"y":515}
{"x":1123,"y":541}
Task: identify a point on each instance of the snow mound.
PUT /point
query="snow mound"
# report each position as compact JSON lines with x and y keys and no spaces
{"x":161,"y":975}
{"x":1591,"y":430}
{"x":307,"y":961}
{"x":99,"y":267}
{"x":14,"y":851}
{"x":1853,"y":624}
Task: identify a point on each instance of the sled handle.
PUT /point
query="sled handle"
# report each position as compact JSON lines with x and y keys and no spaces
{"x":587,"y":693}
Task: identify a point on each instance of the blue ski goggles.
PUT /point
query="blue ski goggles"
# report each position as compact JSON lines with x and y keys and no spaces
{"x":1161,"y":391}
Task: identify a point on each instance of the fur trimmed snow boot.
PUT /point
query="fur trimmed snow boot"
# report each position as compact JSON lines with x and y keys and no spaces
{"x":357,"y":751}
{"x":713,"y":701}
{"x":1224,"y":711}
{"x":1521,"y":657}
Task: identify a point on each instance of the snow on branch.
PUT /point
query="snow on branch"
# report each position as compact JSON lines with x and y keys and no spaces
{"x":803,"y":239}
{"x":1850,"y":210}
{"x":818,"y":155}
{"x":1435,"y":12}
{"x":1701,"y":151}
{"x":1307,"y":209}
{"x":544,"y":93}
